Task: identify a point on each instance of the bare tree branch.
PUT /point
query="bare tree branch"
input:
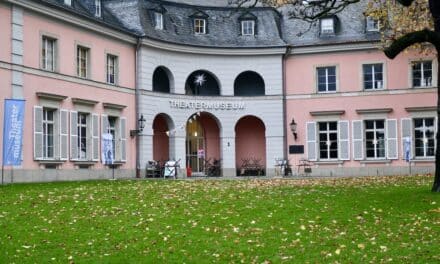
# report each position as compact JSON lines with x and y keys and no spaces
{"x":410,"y":39}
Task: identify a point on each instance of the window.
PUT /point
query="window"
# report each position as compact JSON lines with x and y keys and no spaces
{"x":327,"y":26}
{"x":372,"y":25}
{"x":82,"y":135}
{"x":373,"y":76}
{"x":68,"y":2}
{"x":48,"y":54}
{"x":326,"y":78}
{"x":328,"y":140}
{"x":248,"y":27}
{"x":82,"y":61}
{"x":98,"y":8}
{"x":422,"y":74}
{"x":375,"y":139}
{"x":48,"y":133}
{"x":158,"y":20}
{"x":199,"y":26}
{"x":424,"y":137}
{"x":112,"y":64}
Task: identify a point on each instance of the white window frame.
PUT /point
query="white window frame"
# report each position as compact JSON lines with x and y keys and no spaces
{"x":158,"y":21}
{"x":45,"y":42}
{"x":326,"y":67}
{"x":327,"y":26}
{"x":371,"y":24}
{"x":375,"y":82}
{"x":86,"y":126}
{"x":82,"y":57}
{"x":375,"y":140}
{"x":98,"y":9}
{"x":423,"y":81}
{"x":199,"y":26}
{"x":112,"y":68}
{"x":68,"y":2}
{"x":248,"y":27}
{"x":46,"y":123}
{"x":423,"y":130}
{"x":328,"y":132}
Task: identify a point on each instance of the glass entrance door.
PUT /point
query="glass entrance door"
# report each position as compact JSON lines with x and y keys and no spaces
{"x":195,"y":148}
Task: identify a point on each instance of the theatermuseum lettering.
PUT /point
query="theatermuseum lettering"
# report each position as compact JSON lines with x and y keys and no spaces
{"x":207,"y":105}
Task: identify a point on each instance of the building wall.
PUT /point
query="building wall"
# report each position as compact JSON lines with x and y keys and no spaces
{"x":5,"y":40}
{"x":93,"y":95}
{"x":398,"y":95}
{"x":268,"y":108}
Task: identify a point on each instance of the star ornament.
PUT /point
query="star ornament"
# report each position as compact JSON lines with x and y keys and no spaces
{"x":200,"y":79}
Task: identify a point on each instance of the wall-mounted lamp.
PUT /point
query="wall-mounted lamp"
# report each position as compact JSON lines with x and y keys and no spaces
{"x":141,"y":125}
{"x":293,"y":128}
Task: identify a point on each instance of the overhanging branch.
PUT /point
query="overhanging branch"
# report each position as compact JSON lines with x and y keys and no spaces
{"x":405,"y":2}
{"x":410,"y":39}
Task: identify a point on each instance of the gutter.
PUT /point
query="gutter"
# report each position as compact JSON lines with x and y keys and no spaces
{"x":284,"y":72}
{"x":137,"y":104}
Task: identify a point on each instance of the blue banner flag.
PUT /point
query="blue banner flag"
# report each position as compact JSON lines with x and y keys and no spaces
{"x":13,"y":121}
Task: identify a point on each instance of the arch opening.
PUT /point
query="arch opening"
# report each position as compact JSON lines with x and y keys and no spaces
{"x":249,"y":83}
{"x":250,"y":146}
{"x":162,"y":124}
{"x":202,"y":83}
{"x":203,"y":145}
{"x":162,"y":80}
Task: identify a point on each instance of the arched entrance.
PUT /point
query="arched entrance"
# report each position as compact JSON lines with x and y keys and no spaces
{"x":250,"y":146}
{"x":162,"y":124}
{"x":202,"y":144}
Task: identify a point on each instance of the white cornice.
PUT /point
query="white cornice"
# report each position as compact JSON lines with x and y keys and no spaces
{"x":212,"y":51}
{"x":362,"y":93}
{"x":72,"y":19}
{"x":335,"y":48}
{"x":63,"y":77}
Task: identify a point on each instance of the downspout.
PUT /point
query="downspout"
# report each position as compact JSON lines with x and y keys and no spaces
{"x":284,"y":58}
{"x":137,"y":104}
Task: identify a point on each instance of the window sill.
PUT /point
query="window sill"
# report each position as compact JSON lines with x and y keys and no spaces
{"x":84,"y":162}
{"x":372,"y":161}
{"x":50,"y":162}
{"x":328,"y":162}
{"x":422,"y":160}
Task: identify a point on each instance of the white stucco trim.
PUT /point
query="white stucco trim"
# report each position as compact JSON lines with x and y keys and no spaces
{"x":335,"y":48}
{"x":212,"y":51}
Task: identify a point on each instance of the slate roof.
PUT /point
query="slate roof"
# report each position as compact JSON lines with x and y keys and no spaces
{"x":350,"y":29}
{"x":86,"y":9}
{"x":273,"y":27}
{"x":223,"y":25}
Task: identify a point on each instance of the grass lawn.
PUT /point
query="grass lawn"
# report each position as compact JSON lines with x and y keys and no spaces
{"x":387,"y":219}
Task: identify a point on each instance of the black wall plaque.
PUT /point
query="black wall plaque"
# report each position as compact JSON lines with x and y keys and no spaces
{"x":296,"y":149}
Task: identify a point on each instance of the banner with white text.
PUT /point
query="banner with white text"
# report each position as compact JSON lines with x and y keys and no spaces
{"x":13,"y":121}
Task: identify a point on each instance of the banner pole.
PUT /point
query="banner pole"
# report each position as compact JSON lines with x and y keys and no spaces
{"x":3,"y":171}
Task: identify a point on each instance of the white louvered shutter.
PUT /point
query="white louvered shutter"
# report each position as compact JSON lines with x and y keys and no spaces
{"x":311,"y":141}
{"x":56,"y":135}
{"x":64,"y":134}
{"x":344,"y":140}
{"x":407,"y":130}
{"x":38,"y":132}
{"x":74,"y":135}
{"x":123,"y":134}
{"x":391,"y":147}
{"x":95,"y":137}
{"x":358,"y":139}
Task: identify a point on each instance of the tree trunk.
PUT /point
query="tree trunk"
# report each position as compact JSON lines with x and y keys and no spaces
{"x":436,"y":184}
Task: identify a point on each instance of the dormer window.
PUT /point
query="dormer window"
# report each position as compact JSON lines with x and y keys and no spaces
{"x":248,"y":27}
{"x":372,"y":25}
{"x":327,"y":26}
{"x":158,"y":20}
{"x":68,"y":2}
{"x":200,"y":26}
{"x":98,"y":8}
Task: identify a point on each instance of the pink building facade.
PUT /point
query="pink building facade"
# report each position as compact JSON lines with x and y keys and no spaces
{"x":76,"y":74}
{"x":213,"y":93}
